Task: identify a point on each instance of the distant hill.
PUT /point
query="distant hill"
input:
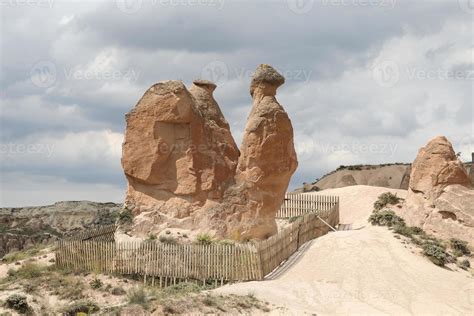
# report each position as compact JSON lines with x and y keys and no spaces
{"x":22,"y":227}
{"x":393,"y":176}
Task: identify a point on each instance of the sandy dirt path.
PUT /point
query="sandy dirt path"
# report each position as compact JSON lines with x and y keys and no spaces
{"x":363,"y":272}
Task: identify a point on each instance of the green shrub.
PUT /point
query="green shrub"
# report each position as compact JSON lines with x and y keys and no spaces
{"x":125,"y":217}
{"x":168,"y":239}
{"x":407,"y":231}
{"x":435,"y":253}
{"x":29,"y":270}
{"x":96,"y":283}
{"x":137,"y":296}
{"x":183,"y":288}
{"x":84,"y":306}
{"x":204,"y":239}
{"x":293,"y":219}
{"x":464,"y":264}
{"x":151,"y":237}
{"x":460,"y":246}
{"x":386,"y":218}
{"x":18,"y":302}
{"x":385,"y":199}
{"x":22,"y":254}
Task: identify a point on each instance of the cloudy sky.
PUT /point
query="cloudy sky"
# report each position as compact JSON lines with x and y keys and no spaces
{"x":368,"y":81}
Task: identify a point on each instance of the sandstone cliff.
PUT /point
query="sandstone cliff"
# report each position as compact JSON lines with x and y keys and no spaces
{"x":440,"y":196}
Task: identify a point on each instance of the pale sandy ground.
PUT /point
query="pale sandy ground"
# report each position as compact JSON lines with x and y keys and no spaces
{"x":363,"y":272}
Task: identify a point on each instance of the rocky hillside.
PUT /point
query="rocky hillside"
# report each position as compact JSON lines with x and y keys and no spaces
{"x":21,"y":227}
{"x":393,"y":176}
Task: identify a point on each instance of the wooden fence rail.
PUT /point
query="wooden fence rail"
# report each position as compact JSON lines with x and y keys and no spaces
{"x":300,"y":204}
{"x":225,"y":262}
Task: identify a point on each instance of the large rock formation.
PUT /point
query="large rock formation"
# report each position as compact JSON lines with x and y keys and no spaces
{"x":183,"y":166}
{"x":440,"y":198}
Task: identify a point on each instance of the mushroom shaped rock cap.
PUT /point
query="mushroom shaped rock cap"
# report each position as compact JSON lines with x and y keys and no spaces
{"x":209,"y":85}
{"x":266,"y":74}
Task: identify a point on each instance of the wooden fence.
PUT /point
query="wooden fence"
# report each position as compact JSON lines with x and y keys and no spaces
{"x":300,"y":204}
{"x":224,"y":262}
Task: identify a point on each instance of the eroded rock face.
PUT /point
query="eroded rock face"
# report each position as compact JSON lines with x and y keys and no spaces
{"x":436,"y":167}
{"x":184,"y":169}
{"x":440,"y":198}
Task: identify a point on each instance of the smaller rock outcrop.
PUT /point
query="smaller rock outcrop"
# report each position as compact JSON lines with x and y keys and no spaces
{"x":440,"y":198}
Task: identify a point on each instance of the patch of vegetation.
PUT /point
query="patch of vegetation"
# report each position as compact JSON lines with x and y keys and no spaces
{"x":407,"y":231}
{"x":18,"y":303}
{"x":168,"y":239}
{"x":28,"y":270}
{"x":125,"y":217}
{"x":293,"y":219}
{"x":459,"y":246}
{"x":138,"y":296}
{"x":436,"y":254}
{"x":385,"y":199}
{"x":151,"y":237}
{"x":226,"y":242}
{"x":204,"y":239}
{"x":464,"y":264}
{"x":21,"y":255}
{"x":96,"y":283}
{"x":386,"y":218}
{"x":80,"y":308}
{"x":183,"y":288}
{"x":118,"y":291}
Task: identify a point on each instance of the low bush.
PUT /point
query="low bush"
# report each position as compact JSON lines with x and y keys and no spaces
{"x":386,"y":218}
{"x":96,"y":283}
{"x":118,"y":291}
{"x":125,"y":217}
{"x":151,"y":237}
{"x":464,"y":264}
{"x":137,"y":296}
{"x":436,"y":254}
{"x":27,"y":271}
{"x":168,"y":239}
{"x":385,"y":199}
{"x":80,"y":307}
{"x":407,"y":231}
{"x":18,"y":302}
{"x":204,"y":239}
{"x":293,"y":219}
{"x":20,"y":255}
{"x":183,"y":288}
{"x":459,"y":246}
